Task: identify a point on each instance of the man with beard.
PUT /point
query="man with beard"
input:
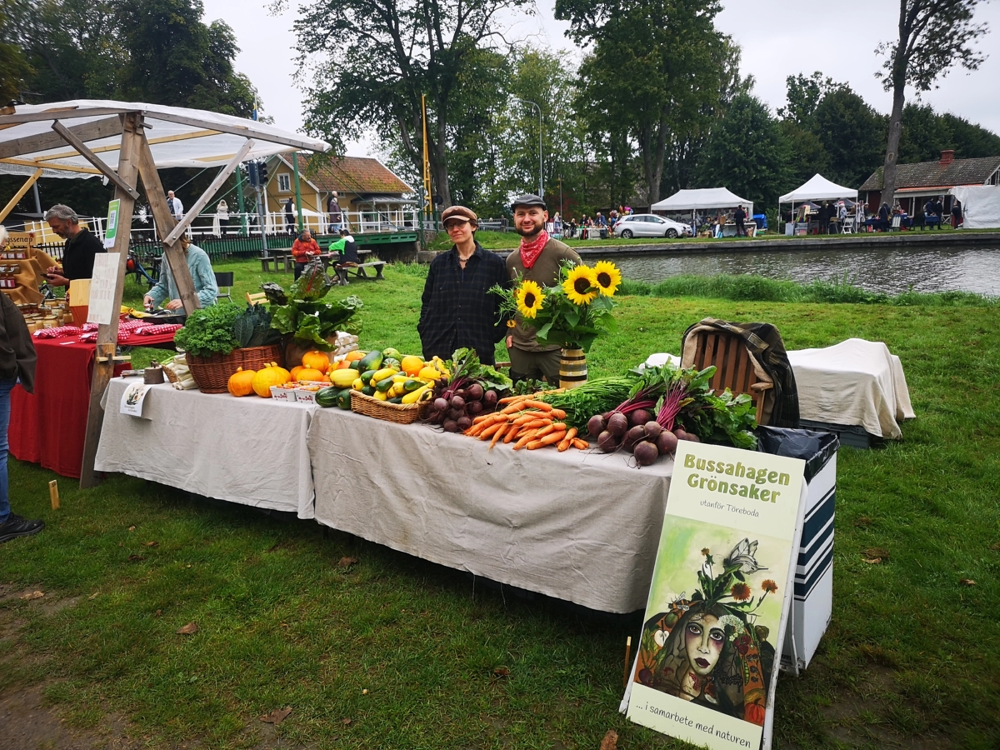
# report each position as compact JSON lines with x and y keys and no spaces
{"x":537,"y":259}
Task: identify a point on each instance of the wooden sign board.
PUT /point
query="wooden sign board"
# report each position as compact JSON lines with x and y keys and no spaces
{"x":20,"y":243}
{"x":707,"y":663}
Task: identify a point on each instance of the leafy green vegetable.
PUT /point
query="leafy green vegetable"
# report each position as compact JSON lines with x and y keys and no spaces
{"x":312,"y":322}
{"x":596,"y":396}
{"x":465,"y":366}
{"x":253,"y":327}
{"x":274,"y":293}
{"x":209,"y":331}
{"x":313,"y":284}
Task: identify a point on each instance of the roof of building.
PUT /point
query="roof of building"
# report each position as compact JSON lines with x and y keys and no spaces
{"x":353,"y":174}
{"x":943,"y":173}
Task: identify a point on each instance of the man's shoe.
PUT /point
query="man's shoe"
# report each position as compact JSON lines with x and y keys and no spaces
{"x":16,"y":526}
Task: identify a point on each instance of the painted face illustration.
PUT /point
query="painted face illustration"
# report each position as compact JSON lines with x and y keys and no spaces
{"x":703,"y":641}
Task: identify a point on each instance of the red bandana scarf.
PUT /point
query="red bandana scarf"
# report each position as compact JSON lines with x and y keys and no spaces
{"x":531,"y":250}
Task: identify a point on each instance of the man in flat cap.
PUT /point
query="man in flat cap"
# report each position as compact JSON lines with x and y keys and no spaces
{"x":457,"y":309}
{"x":537,"y":259}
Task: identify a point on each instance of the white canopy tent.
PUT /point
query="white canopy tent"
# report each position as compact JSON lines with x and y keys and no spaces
{"x":126,"y":142}
{"x":818,"y":188}
{"x":980,"y":205}
{"x":702,"y":198}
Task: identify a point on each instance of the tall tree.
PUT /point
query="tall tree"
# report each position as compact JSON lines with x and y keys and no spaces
{"x":933,"y":35}
{"x":852,"y":134}
{"x":664,"y":57}
{"x":384,"y":54}
{"x":745,"y":152}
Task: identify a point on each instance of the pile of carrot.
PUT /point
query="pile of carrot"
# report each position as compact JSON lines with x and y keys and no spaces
{"x":526,"y":423}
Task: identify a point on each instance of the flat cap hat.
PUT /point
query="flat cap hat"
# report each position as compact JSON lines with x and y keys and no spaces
{"x":528,"y":199}
{"x":459,"y":212}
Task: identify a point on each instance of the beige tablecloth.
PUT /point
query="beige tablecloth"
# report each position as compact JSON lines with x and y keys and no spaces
{"x":249,"y":450}
{"x":577,"y":526}
{"x":855,"y":382}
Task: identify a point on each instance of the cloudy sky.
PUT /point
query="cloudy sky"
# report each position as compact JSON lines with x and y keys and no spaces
{"x":776,"y":42}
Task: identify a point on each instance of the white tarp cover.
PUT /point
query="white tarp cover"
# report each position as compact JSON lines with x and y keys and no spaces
{"x":980,"y":205}
{"x":855,"y":382}
{"x":178,"y":137}
{"x":693,"y":200}
{"x":818,"y":188}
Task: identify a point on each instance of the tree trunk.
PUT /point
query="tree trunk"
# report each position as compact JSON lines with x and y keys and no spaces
{"x":646,"y":148}
{"x":892,"y":147}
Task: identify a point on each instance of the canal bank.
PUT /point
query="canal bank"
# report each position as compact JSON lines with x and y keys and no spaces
{"x":862,"y":241}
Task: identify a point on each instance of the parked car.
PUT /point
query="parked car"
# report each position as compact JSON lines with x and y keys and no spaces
{"x":650,"y":225}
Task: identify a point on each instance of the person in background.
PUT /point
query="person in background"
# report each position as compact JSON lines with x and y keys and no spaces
{"x":740,"y":217}
{"x":290,"y":216}
{"x":78,"y":252}
{"x":457,"y":308}
{"x":537,"y":259}
{"x":175,"y":205}
{"x":348,"y":250}
{"x":956,"y":214}
{"x":222,"y":211}
{"x":201,"y":274}
{"x":335,"y":214}
{"x":883,"y":217}
{"x":17,"y":364}
{"x":304,"y":249}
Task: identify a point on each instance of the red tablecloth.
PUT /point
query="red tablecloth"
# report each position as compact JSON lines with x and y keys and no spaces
{"x":48,"y":426}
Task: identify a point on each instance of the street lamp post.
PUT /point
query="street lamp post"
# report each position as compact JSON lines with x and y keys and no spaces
{"x":541,"y":182}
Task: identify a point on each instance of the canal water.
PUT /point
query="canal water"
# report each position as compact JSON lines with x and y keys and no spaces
{"x":895,"y":270}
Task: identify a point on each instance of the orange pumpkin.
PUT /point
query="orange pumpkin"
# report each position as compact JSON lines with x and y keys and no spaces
{"x":269,"y":375}
{"x":316,"y":360}
{"x":308,"y":373}
{"x":241,"y":382}
{"x":295,"y":371}
{"x":355,"y":354}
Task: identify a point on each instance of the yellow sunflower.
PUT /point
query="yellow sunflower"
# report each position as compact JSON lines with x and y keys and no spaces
{"x":529,"y":299}
{"x":581,"y":285}
{"x":609,"y":278}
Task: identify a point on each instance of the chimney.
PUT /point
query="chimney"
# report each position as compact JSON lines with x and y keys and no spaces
{"x":947,"y":156}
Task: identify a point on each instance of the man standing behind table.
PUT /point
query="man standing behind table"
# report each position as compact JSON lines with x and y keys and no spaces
{"x":79,"y":251}
{"x":175,"y":205}
{"x":457,"y":308}
{"x":537,"y":259}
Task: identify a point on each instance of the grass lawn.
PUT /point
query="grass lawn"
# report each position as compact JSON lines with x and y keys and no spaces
{"x":374,"y":649}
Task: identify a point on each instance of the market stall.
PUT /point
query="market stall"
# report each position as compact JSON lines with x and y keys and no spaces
{"x":575,"y":525}
{"x":704,"y":200}
{"x":817,"y":188}
{"x":250,"y":451}
{"x":48,"y":426}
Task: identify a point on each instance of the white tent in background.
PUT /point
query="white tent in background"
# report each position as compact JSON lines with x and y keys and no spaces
{"x":703,"y":198}
{"x":980,"y":205}
{"x":818,"y":188}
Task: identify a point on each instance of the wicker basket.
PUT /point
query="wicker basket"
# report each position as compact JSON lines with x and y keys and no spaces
{"x":212,"y":373}
{"x":398,"y":413}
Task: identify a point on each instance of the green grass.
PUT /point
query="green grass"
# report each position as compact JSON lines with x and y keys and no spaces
{"x":909,"y":657}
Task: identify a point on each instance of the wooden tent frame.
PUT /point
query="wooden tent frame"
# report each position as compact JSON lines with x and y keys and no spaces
{"x":135,"y":161}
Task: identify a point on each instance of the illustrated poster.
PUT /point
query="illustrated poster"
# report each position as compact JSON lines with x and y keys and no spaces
{"x":133,"y":399}
{"x":709,"y":650}
{"x":111,"y":231}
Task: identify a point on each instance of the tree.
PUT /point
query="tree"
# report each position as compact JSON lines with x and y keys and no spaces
{"x":656,"y":62}
{"x":933,"y":35}
{"x":745,"y":152}
{"x":852,"y":134}
{"x":384,"y":55}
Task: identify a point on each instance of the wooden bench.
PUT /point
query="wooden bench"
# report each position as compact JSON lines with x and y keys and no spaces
{"x":359,"y":271}
{"x":277,"y":259}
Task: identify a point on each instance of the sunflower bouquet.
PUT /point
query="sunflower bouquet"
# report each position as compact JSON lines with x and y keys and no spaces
{"x":572,"y":313}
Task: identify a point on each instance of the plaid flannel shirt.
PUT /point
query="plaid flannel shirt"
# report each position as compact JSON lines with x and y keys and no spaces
{"x":457,"y":309}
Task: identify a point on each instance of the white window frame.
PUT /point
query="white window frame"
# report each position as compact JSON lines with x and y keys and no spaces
{"x":284,"y":182}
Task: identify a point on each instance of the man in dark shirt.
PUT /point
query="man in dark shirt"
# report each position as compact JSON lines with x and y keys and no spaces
{"x":79,"y":251}
{"x":457,"y":309}
{"x":740,"y":217}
